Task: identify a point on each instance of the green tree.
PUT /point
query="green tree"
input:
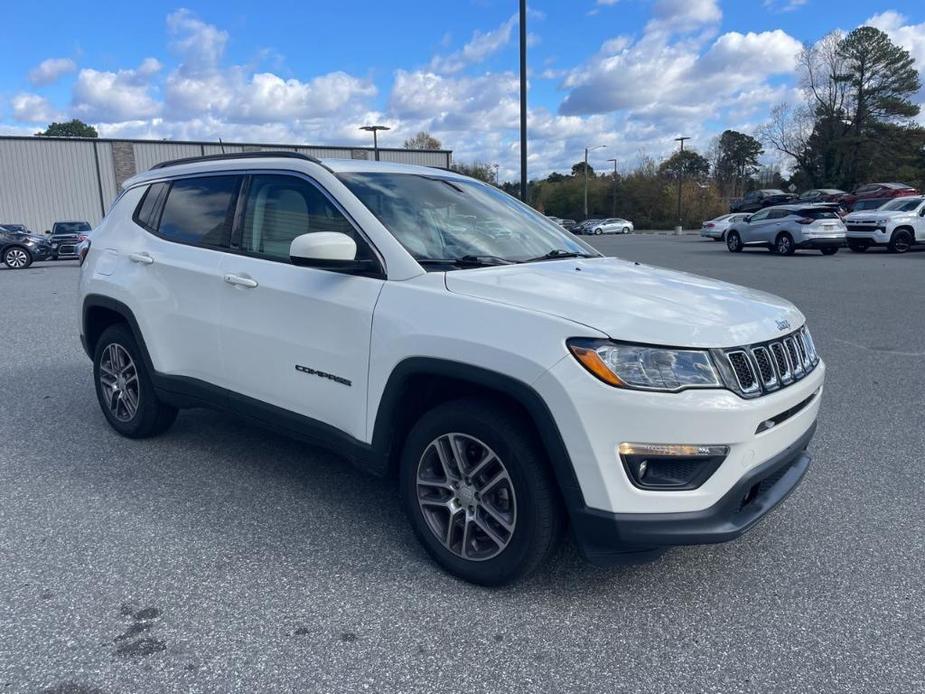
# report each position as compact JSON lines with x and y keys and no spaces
{"x":688,"y":162}
{"x":579,"y":169}
{"x":736,"y":159}
{"x":72,"y":128}
{"x":423,"y":140}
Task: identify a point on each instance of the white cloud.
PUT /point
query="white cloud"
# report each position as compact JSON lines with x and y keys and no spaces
{"x":481,"y":46}
{"x":116,"y":96}
{"x":49,"y":70}
{"x":683,"y":15}
{"x":202,"y":45}
{"x":32,"y":108}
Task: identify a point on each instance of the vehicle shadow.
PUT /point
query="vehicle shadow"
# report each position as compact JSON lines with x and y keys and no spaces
{"x":239,"y":474}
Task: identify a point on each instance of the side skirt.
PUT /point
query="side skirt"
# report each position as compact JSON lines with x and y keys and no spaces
{"x":184,"y":392}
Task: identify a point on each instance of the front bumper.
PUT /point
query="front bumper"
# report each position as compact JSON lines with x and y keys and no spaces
{"x":617,"y":538}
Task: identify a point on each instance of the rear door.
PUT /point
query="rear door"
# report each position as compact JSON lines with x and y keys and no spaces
{"x":295,"y":337}
{"x":175,"y":271}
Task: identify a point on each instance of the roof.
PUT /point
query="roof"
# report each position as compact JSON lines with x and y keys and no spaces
{"x":285,"y":161}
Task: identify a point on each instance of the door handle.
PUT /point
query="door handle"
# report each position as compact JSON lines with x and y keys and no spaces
{"x":142,"y":258}
{"x":238,"y":281}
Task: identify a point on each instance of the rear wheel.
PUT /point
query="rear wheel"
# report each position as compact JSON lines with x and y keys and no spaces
{"x":784,"y":245}
{"x":124,"y":388}
{"x":626,"y":230}
{"x":598,"y":231}
{"x":858,"y":246}
{"x":17,"y":258}
{"x":829,"y":251}
{"x":901,"y":241}
{"x":479,"y":493}
{"x":733,"y":242}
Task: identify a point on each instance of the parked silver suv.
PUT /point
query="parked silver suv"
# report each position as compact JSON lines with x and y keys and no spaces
{"x":785,"y":229}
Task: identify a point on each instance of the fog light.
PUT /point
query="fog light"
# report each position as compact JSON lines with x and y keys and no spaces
{"x":670,"y":467}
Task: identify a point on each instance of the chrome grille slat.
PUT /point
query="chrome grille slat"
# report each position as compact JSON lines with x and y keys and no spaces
{"x":768,"y":366}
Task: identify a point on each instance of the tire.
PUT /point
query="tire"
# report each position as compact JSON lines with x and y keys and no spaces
{"x":117,"y":367}
{"x":598,"y":231}
{"x":858,"y":246}
{"x":626,"y":230}
{"x":527,"y":500}
{"x":783,"y":244}
{"x":17,"y":258}
{"x":734,"y":242}
{"x":828,"y":251}
{"x":901,"y":241}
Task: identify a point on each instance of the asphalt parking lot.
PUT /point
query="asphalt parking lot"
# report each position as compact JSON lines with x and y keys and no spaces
{"x":222,"y":558}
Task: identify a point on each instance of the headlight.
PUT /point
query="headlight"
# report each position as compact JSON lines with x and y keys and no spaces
{"x":882,"y":221}
{"x":646,"y":368}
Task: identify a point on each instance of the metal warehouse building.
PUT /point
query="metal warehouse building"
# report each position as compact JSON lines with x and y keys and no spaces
{"x":49,"y":179}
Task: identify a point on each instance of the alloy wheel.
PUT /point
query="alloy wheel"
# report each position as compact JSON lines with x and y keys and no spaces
{"x":902,"y":242}
{"x":733,"y":242}
{"x":16,"y":258}
{"x":784,"y":245}
{"x":466,"y":496}
{"x":119,"y":381}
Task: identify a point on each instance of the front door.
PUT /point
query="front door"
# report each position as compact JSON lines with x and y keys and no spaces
{"x":295,"y":337}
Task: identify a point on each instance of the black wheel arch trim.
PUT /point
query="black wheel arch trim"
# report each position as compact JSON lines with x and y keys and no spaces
{"x":518,"y":391}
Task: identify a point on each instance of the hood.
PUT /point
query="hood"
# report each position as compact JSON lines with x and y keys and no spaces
{"x":633,"y":302}
{"x":873,"y":215}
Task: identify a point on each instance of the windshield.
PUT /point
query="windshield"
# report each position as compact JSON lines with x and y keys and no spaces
{"x":71,"y":227}
{"x":438,"y":218}
{"x":903,"y":204}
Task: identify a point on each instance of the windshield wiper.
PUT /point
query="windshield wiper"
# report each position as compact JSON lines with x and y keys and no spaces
{"x":468,"y":261}
{"x":557,"y":253}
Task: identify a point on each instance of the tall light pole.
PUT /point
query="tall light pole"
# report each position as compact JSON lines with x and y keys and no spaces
{"x":374,"y":129}
{"x":523,"y":100}
{"x":680,"y":176}
{"x":588,"y":149}
{"x":613,"y":212}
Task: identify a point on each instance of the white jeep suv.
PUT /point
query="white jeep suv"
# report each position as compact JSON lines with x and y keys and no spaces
{"x":430,"y":327}
{"x":898,"y":225}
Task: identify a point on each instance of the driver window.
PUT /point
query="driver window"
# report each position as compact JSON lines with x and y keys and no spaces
{"x":758,"y":216}
{"x":280,"y":208}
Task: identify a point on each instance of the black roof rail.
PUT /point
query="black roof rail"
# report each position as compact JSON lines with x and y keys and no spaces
{"x":263,"y":154}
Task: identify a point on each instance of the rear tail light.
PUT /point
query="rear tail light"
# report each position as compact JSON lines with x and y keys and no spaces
{"x":82,"y":250}
{"x":709,"y":225}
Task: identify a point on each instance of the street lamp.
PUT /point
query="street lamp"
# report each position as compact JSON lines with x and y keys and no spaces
{"x":613,"y":212}
{"x":374,"y":129}
{"x":523,"y":100}
{"x":680,"y":177}
{"x":589,"y":149}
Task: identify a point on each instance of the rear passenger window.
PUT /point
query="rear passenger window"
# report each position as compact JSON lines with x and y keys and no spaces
{"x":200,"y":210}
{"x":148,"y":210}
{"x":279,"y":208}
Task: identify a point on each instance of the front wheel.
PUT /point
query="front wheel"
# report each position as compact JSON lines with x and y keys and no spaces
{"x":479,"y":493}
{"x":901,"y":241}
{"x":733,"y":242}
{"x":17,"y":258}
{"x":124,"y":387}
{"x":626,"y":230}
{"x":598,"y":231}
{"x":829,"y":251}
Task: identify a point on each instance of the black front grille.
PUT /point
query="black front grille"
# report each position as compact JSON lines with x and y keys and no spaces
{"x":768,"y":366}
{"x":743,"y":370}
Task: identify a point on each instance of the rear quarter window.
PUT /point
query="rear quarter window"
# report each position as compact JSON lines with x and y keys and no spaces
{"x":147,"y":214}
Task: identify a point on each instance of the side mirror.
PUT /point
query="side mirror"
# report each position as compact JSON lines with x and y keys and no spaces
{"x":748,"y":218}
{"x":328,"y":250}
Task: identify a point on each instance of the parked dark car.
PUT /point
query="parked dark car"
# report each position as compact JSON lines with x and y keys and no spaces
{"x":821,"y":195}
{"x":19,"y":248}
{"x":759,"y":199}
{"x":868,"y":204}
{"x":885,"y":191}
{"x":65,"y":237}
{"x":587,"y":226}
{"x":569,"y":224}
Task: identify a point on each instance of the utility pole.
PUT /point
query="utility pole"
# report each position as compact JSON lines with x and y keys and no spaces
{"x":588,"y":149}
{"x":523,"y":100}
{"x":680,"y":177}
{"x":613,"y":212}
{"x":374,"y":129}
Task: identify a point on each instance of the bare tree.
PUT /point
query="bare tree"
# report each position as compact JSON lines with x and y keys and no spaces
{"x":423,"y":140}
{"x":789,"y":131}
{"x":819,"y":65}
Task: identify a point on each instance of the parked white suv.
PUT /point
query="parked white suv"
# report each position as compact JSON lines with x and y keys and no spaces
{"x":431,"y":327}
{"x":898,"y":225}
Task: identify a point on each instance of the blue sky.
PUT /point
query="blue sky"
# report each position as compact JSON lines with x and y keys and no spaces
{"x":631,"y":74}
